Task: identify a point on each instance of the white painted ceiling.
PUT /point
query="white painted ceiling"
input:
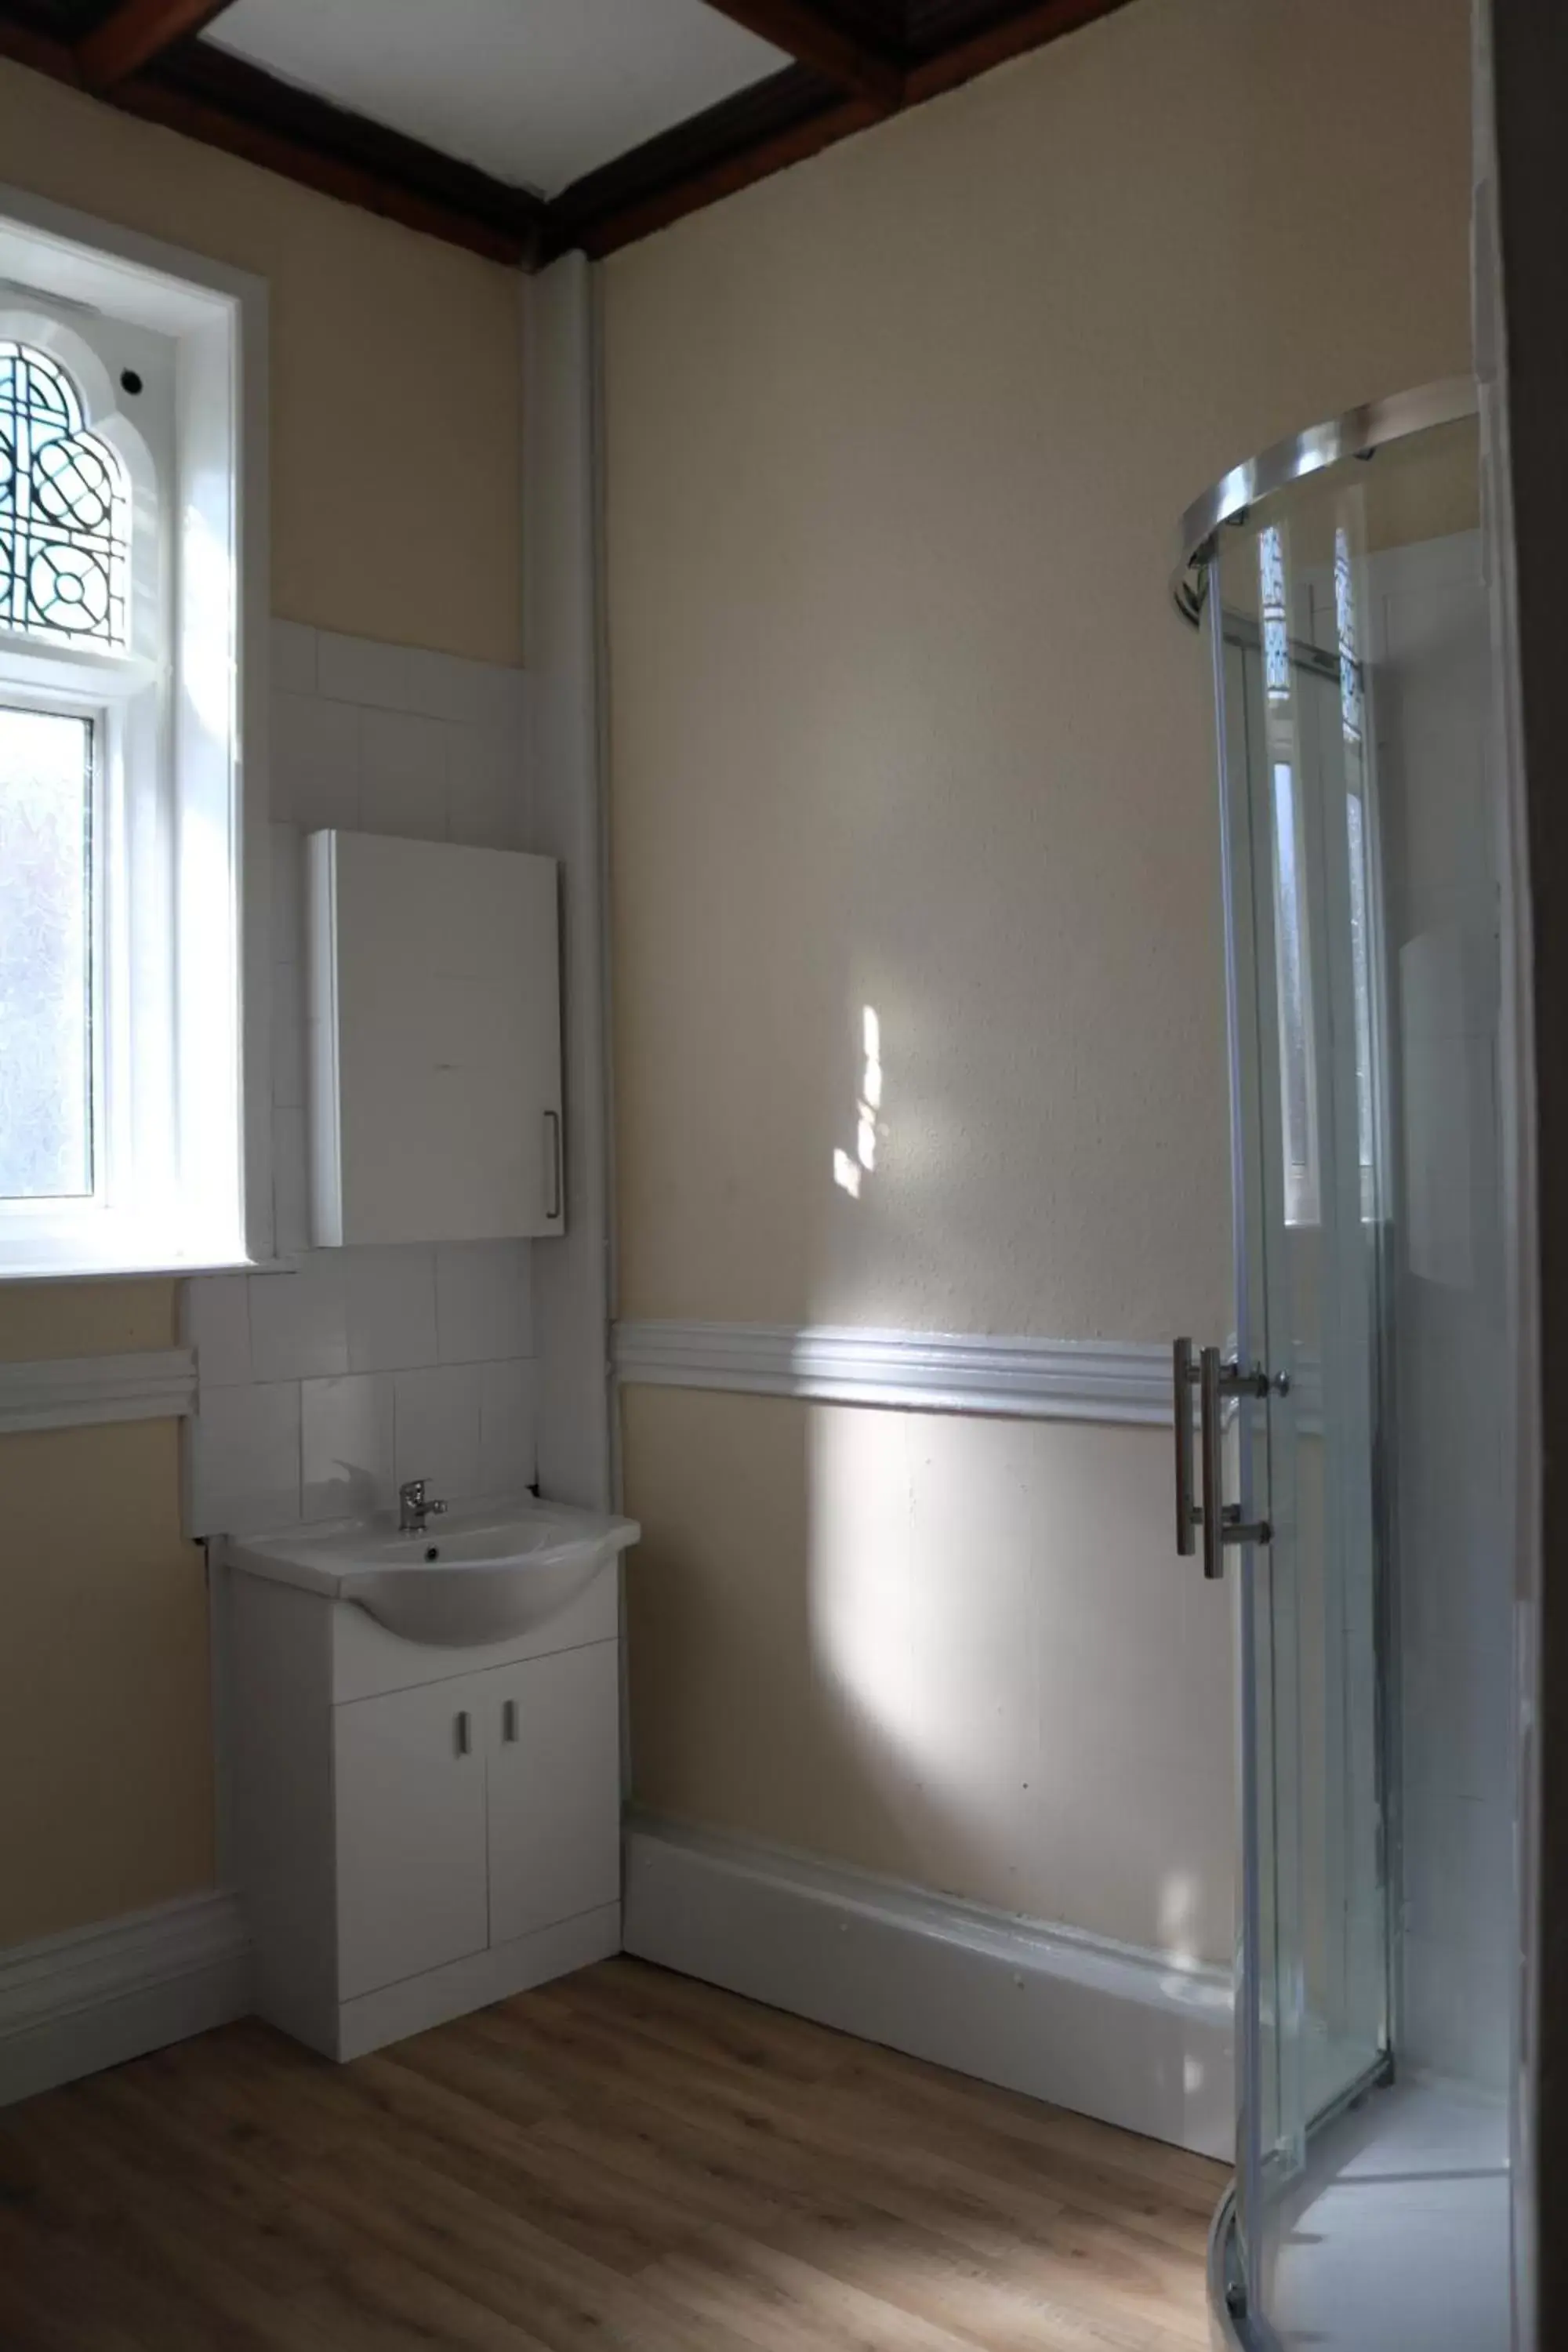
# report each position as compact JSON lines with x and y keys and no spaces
{"x":535,"y":91}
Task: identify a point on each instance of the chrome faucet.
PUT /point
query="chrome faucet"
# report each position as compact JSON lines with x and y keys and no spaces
{"x":414,"y":1506}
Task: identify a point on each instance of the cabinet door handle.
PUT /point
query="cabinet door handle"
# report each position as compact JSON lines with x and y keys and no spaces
{"x":465,"y":1735}
{"x":552,"y":1163}
{"x":509,"y":1719}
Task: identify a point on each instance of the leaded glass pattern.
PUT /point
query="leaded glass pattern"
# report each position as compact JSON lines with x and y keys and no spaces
{"x":1276,"y":622}
{"x":65,"y":510}
{"x":46,"y":955}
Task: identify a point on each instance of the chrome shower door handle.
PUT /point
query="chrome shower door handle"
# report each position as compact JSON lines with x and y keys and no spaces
{"x":1222,"y":1522}
{"x":1211,"y":1443}
{"x":1183,"y":1379}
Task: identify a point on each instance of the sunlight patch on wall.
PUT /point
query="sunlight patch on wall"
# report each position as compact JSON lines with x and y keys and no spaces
{"x":1178,"y":1915}
{"x":863,"y":1629}
{"x":850,"y":1168}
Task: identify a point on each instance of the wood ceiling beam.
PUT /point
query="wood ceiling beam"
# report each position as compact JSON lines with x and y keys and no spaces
{"x":132,"y":35}
{"x":227,"y":103}
{"x":794,"y":114}
{"x":996,"y":37}
{"x":816,"y":36}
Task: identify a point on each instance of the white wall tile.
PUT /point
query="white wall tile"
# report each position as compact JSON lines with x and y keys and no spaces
{"x":398,"y":740}
{"x":287,"y":1035}
{"x":486,"y":788}
{"x":214,"y":1319}
{"x":293,"y":657}
{"x":483,"y":1301}
{"x":288,"y":894}
{"x":391,"y":1308}
{"x":346,"y":1445}
{"x":363,"y":671}
{"x":403,"y":758}
{"x":435,"y":1428}
{"x":315,"y":760}
{"x":487,"y":694}
{"x":299,"y":1321}
{"x":509,"y":1452}
{"x":291,"y":1188}
{"x":245,"y":1459}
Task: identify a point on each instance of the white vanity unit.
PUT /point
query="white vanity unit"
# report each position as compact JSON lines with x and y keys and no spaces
{"x":424,"y":1825}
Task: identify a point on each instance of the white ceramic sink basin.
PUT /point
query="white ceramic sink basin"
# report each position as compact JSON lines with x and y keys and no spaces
{"x":485,"y":1572}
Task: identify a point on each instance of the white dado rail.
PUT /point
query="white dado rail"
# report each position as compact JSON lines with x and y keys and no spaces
{"x":72,"y":1392}
{"x":924,"y":1371}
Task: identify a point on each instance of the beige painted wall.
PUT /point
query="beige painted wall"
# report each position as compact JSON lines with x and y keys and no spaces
{"x":893,"y":1638}
{"x":396,"y":513}
{"x":105,"y":1738}
{"x":901,"y":716}
{"x":397,"y":454}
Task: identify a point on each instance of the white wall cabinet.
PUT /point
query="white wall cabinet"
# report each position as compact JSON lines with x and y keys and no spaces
{"x":435,"y":1042}
{"x":418,"y":1831}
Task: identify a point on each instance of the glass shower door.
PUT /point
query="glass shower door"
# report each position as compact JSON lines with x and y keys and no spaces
{"x":1307,"y":1012}
{"x":1355,"y":1459}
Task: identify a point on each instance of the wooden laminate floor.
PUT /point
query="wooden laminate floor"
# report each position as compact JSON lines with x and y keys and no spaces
{"x":624,"y":2159}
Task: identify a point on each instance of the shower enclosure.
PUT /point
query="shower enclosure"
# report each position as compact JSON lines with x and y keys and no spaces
{"x":1345,"y":1478}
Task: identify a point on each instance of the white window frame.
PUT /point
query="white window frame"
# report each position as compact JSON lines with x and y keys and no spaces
{"x":183,"y":1159}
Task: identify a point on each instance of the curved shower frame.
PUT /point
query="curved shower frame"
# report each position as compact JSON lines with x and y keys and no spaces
{"x":1356,"y":434}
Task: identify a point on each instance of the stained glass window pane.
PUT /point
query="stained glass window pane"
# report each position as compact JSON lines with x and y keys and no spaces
{"x":64,"y":512}
{"x":46,"y":955}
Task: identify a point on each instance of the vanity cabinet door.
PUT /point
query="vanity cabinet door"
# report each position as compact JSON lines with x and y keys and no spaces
{"x":554,"y":1733}
{"x":410,"y":1789}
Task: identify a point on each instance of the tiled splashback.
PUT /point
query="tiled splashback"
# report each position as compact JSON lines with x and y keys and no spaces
{"x":322,"y":1388}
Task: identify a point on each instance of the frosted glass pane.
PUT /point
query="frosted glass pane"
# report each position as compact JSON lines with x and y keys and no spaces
{"x":45,"y":956}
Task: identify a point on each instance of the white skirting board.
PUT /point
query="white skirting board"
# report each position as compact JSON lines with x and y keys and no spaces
{"x":1106,"y":2028}
{"x":74,"y":2003}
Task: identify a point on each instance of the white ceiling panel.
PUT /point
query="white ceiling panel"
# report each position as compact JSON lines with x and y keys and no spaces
{"x":535,"y":91}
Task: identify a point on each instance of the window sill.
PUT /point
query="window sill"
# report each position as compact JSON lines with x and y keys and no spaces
{"x":69,"y":1258}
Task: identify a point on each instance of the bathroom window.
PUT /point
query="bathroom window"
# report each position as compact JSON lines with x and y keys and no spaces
{"x":49,"y":1010}
{"x":1293,"y":987}
{"x":124,"y":1136}
{"x":1275,"y":618}
{"x":1353,"y":709}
